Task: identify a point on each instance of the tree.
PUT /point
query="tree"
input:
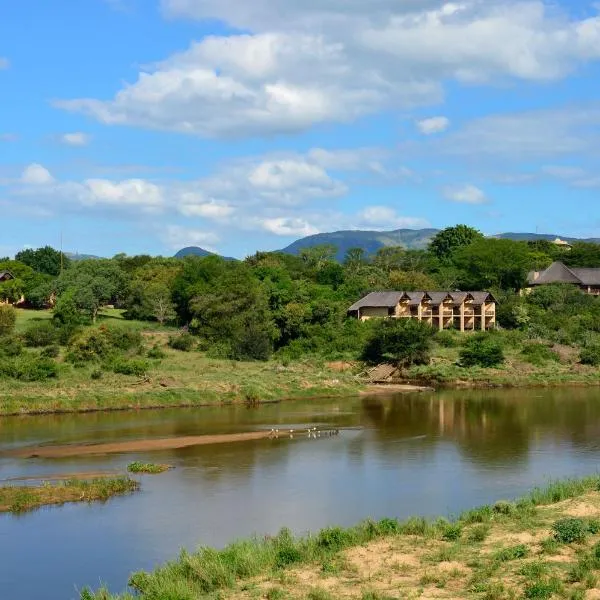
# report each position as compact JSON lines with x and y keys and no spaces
{"x":158,"y":297}
{"x":8,"y":318}
{"x":389,"y":257}
{"x":355,"y":258}
{"x":447,"y":241}
{"x":404,"y":341}
{"x":316,"y":257}
{"x":409,"y":281}
{"x":93,"y":283}
{"x":45,"y":260}
{"x":11,"y":291}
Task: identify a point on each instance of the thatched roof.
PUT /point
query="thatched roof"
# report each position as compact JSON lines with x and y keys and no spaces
{"x":4,"y":275}
{"x":558,"y":272}
{"x":391,"y":299}
{"x":378,"y":300}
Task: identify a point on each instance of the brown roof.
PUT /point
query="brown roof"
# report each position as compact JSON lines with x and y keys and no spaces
{"x":437,"y":297}
{"x":557,"y":272}
{"x":588,"y":276}
{"x":378,"y":300}
{"x":6,"y":275}
{"x":415,"y":298}
{"x":391,"y":299}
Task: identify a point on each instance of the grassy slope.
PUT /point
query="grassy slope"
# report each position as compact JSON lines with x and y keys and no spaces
{"x":500,"y":552}
{"x":19,"y":499}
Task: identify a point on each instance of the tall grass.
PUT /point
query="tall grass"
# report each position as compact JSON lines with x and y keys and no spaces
{"x":207,"y":571}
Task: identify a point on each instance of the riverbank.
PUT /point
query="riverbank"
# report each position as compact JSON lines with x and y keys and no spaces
{"x":19,"y":499}
{"x":545,"y":545}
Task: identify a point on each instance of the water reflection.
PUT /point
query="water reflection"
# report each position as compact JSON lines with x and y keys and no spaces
{"x":421,"y":454}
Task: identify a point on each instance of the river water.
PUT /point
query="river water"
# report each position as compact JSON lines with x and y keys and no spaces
{"x":424,"y":454}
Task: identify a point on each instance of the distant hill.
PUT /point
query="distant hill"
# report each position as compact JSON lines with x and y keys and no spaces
{"x":77,"y":256}
{"x":413,"y":239}
{"x":370,"y":241}
{"x":196,"y":251}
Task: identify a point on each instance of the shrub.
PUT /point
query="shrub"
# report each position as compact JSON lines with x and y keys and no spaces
{"x":333,"y":538}
{"x":512,"y":553}
{"x":452,"y":532}
{"x":96,"y":374}
{"x":405,"y":341}
{"x":11,"y":346}
{"x":254,"y":342}
{"x":8,"y":318}
{"x":590,"y":355}
{"x":538,"y":354}
{"x":569,"y":530}
{"x":89,"y":345}
{"x":183,"y":341}
{"x":29,"y":368}
{"x":447,"y":339}
{"x":127,"y":366}
{"x":50,"y":352}
{"x":123,"y":338}
{"x":156,"y":352}
{"x":482,"y":350}
{"x":40,"y":335}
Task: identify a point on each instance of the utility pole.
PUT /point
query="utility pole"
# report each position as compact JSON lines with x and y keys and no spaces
{"x":61,"y":252}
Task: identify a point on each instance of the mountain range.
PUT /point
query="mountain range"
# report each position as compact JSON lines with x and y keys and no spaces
{"x":371,"y":241}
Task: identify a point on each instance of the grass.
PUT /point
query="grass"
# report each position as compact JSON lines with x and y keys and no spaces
{"x":147,"y":468}
{"x":18,"y":499}
{"x":383,"y":559}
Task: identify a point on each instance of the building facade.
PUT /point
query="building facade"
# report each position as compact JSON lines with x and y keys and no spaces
{"x":464,"y":311}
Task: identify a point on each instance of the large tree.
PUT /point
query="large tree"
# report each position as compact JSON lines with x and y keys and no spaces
{"x":447,"y":241}
{"x":45,"y":260}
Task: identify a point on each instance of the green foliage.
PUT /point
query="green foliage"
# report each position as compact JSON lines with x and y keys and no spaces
{"x":404,"y":341}
{"x":123,"y":338}
{"x":45,"y":260}
{"x":50,"y":352}
{"x":482,"y":350}
{"x":27,"y":367}
{"x":156,"y":352}
{"x":590,"y":355}
{"x":129,"y":366}
{"x":447,"y":241}
{"x":10,"y":346}
{"x":39,"y":335}
{"x":538,"y":354}
{"x":512,"y":553}
{"x":447,"y":339}
{"x":8,"y":318}
{"x":89,"y":345}
{"x":569,"y":530}
{"x":182,"y":341}
{"x":452,"y":532}
{"x":149,"y":468}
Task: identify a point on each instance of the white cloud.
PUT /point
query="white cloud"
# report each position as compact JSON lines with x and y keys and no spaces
{"x":286,"y":226}
{"x":75,"y":139}
{"x":36,"y":174}
{"x":467,"y":194}
{"x":563,"y":171}
{"x":195,"y":204}
{"x":305,"y":63}
{"x":385,"y":217}
{"x":128,"y":193}
{"x":433,"y":125}
{"x":4,"y":63}
{"x":176,"y":237}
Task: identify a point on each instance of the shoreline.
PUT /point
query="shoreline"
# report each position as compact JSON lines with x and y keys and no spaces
{"x":543,"y":545}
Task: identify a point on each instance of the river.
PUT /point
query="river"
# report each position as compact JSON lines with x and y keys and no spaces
{"x":422,"y":454}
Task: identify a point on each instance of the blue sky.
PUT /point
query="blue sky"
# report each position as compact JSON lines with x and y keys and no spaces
{"x":144,"y":126}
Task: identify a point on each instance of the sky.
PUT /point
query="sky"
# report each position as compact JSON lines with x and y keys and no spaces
{"x":144,"y":126}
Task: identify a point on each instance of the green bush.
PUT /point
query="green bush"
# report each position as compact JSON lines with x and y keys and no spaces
{"x":512,"y":553}
{"x":590,"y":355}
{"x":483,"y":350}
{"x":447,"y":339}
{"x":92,"y":344}
{"x":183,"y":341}
{"x":538,"y":354}
{"x":8,"y":318}
{"x":123,"y":338}
{"x":10,"y":346}
{"x":404,"y":341}
{"x":156,"y":352}
{"x":128,"y":366}
{"x":50,"y":352}
{"x":569,"y":530}
{"x":96,"y":374}
{"x":40,"y":335}
{"x":452,"y":532}
{"x":29,"y":368}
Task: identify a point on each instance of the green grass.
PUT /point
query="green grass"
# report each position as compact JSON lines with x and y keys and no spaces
{"x":18,"y":499}
{"x":147,"y":468}
{"x":208,"y":572}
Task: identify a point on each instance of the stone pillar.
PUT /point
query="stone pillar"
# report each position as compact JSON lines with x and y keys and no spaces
{"x":441,"y":316}
{"x":462,"y":317}
{"x":483,"y":317}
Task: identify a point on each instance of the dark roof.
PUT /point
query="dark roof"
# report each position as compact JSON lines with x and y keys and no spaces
{"x":458,"y":297}
{"x":6,"y":275}
{"x":588,"y":276}
{"x":437,"y":297}
{"x":415,"y":298}
{"x":377,"y":300}
{"x":481,"y":297}
{"x":557,"y":272}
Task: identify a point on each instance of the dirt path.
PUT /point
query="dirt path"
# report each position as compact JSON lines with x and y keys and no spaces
{"x":134,"y":445}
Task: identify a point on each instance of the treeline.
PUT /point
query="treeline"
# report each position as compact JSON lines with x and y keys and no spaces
{"x":296,"y":305}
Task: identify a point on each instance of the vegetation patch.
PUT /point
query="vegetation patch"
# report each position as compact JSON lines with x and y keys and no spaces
{"x":147,"y":468}
{"x":18,"y":499}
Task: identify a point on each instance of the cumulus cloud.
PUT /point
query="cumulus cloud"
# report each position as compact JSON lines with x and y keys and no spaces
{"x":433,"y":125}
{"x":75,"y":139}
{"x":385,"y":217}
{"x":305,"y":63}
{"x":4,"y":63}
{"x":176,"y":237}
{"x":466,"y":194}
{"x":36,"y":174}
{"x":286,"y":226}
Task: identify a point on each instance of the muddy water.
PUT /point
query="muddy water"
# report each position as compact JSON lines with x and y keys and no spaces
{"x":420,"y":454}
